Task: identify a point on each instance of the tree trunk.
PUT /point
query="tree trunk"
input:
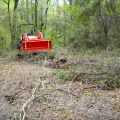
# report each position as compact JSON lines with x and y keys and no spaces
{"x":36,"y":22}
{"x":32,"y":12}
{"x":13,"y":32}
{"x":41,"y":18}
{"x":64,"y":25}
{"x":70,"y":2}
{"x":46,"y":14}
{"x":104,"y":26}
{"x":27,"y":11}
{"x":13,"y":27}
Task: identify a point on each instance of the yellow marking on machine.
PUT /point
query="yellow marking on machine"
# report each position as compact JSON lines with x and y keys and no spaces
{"x":48,"y":44}
{"x":25,"y":46}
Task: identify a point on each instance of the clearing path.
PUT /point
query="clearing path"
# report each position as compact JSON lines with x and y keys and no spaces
{"x":57,"y":97}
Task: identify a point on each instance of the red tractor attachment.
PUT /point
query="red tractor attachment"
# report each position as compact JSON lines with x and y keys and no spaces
{"x":31,"y":43}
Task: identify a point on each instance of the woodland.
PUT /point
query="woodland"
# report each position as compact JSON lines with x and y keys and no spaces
{"x":79,"y":79}
{"x":73,"y":24}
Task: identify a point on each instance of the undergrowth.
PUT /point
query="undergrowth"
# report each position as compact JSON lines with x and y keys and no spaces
{"x":102,"y":69}
{"x":35,"y":55}
{"x":109,"y":79}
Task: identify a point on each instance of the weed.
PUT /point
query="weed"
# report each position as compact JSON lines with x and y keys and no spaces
{"x":70,"y":66}
{"x":63,"y":75}
{"x":49,"y":88}
{"x":114,"y":96}
{"x":40,"y":101}
{"x":66,"y":113}
{"x":88,"y":94}
{"x":91,"y":77}
{"x":77,"y":98}
{"x":98,"y":68}
{"x":66,"y":103}
{"x":40,"y":57}
{"x":67,"y":75}
{"x":40,"y":85}
{"x":97,"y":94}
{"x":51,"y":55}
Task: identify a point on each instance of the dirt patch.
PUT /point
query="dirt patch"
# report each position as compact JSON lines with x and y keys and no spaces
{"x":17,"y":79}
{"x":62,"y":63}
{"x":60,"y":99}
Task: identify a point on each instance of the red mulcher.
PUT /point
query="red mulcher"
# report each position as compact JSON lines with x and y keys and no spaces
{"x":31,"y":43}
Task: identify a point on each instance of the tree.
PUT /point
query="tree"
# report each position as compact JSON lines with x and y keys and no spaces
{"x":75,"y":23}
{"x":36,"y":3}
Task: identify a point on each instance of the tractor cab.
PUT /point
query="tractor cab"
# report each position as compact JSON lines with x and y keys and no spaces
{"x":30,"y":43}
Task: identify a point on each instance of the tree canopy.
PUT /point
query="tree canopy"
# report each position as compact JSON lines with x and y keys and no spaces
{"x":71,"y":23}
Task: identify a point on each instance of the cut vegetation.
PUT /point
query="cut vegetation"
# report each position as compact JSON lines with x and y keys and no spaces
{"x":83,"y":88}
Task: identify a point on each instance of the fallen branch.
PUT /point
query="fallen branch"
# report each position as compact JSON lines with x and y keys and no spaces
{"x":23,"y":114}
{"x":22,"y":117}
{"x":68,"y":92}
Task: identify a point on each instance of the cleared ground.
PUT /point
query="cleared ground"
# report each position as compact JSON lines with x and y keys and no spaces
{"x":67,"y":91}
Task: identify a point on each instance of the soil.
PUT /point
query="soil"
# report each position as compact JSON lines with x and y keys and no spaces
{"x":56,"y":98}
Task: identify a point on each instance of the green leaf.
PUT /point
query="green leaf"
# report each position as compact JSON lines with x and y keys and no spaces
{"x":66,"y":113}
{"x":76,"y":98}
{"x":49,"y":88}
{"x":70,"y":66}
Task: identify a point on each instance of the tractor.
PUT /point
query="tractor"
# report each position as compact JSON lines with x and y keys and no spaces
{"x":31,"y":43}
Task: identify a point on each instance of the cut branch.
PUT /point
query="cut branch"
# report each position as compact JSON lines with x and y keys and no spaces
{"x":6,"y":2}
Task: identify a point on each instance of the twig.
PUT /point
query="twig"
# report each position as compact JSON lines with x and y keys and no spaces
{"x":68,"y":92}
{"x":22,"y":117}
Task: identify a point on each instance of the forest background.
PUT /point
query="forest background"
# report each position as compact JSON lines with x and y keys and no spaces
{"x":70,"y":24}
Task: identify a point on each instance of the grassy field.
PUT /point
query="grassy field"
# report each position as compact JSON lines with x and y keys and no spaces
{"x":82,"y":86}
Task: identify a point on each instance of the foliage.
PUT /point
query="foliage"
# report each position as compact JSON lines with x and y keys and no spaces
{"x":76,"y":24}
